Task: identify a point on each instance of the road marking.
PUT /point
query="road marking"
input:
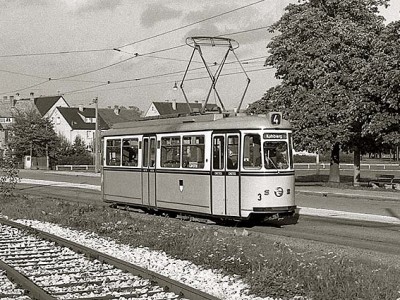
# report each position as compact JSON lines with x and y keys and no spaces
{"x":61,"y":184}
{"x":337,"y":214}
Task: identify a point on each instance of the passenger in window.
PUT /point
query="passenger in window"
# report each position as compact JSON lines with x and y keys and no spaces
{"x":281,"y":159}
{"x":270,"y":159}
{"x":232,"y":161}
{"x":216,"y":157}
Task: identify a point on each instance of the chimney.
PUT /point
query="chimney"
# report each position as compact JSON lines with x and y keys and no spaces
{"x":116,"y":110}
{"x":12,"y":102}
{"x":80,"y":107}
{"x":174,"y":104}
{"x":32,"y":96}
{"x":17,"y":97}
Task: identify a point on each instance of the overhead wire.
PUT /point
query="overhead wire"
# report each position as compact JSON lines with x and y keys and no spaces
{"x":23,"y":74}
{"x":245,"y":31}
{"x":26,"y":88}
{"x":135,"y":55}
{"x":55,"y":53}
{"x":109,"y":82}
{"x":132,"y":43}
{"x":182,"y":71}
{"x":149,"y":54}
{"x":191,"y":24}
{"x":166,"y":82}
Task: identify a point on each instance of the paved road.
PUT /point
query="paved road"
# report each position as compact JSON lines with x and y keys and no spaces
{"x":313,"y":200}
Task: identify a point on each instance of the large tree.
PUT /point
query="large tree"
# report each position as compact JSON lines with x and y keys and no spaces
{"x":382,"y":87}
{"x":321,"y":56}
{"x":31,"y":134}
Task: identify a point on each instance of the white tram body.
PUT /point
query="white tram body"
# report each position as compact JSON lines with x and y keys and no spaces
{"x":221,"y":167}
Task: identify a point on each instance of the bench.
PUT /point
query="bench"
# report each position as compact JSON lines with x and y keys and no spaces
{"x":382,"y":180}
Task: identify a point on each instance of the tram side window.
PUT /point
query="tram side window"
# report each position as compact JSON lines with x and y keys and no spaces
{"x":252,"y":151}
{"x":233,"y":150}
{"x":218,"y":153}
{"x":193,"y":152}
{"x":276,"y":155}
{"x":291,"y":150}
{"x":130,"y":148}
{"x":170,"y":152}
{"x":113,"y":152}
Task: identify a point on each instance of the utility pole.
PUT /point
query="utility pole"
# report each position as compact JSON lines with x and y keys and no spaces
{"x":97,"y":138}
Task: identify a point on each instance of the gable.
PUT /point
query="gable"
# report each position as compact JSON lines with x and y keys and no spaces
{"x":44,"y":104}
{"x":152,"y":111}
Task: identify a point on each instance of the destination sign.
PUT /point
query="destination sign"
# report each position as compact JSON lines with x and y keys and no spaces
{"x":275,"y":136}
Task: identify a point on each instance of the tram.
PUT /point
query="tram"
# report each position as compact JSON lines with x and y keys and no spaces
{"x":224,"y":166}
{"x":219,"y":166}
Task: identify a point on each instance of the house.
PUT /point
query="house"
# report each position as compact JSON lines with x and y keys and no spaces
{"x":9,"y":106}
{"x":68,"y":121}
{"x":72,"y":122}
{"x":176,"y":108}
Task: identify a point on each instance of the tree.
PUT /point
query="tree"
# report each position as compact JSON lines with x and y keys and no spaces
{"x":383,"y":88}
{"x":320,"y":56}
{"x":31,"y":134}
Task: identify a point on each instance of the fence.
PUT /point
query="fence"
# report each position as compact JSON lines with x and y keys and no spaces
{"x":75,"y":167}
{"x":313,"y":166}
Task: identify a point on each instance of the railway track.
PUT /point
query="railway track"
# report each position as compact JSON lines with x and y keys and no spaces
{"x":43,"y":266}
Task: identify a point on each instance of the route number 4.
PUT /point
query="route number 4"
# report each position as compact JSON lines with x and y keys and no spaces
{"x":276,"y":119}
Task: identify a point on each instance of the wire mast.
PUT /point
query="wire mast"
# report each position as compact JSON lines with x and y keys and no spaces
{"x":197,"y":42}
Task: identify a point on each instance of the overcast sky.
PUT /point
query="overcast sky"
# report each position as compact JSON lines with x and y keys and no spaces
{"x":48,"y":27}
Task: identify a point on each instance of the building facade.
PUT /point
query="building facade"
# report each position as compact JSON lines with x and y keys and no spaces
{"x":73,"y":122}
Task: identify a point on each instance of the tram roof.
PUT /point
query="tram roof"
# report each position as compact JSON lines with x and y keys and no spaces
{"x":195,"y":123}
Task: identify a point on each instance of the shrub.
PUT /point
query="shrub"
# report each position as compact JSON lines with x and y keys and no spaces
{"x":8,"y":175}
{"x":72,"y":154}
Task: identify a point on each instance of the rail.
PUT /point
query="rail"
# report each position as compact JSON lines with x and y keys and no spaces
{"x":313,"y":166}
{"x":168,"y":284}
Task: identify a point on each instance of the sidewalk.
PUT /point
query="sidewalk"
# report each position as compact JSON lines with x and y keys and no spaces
{"x":351,"y":204}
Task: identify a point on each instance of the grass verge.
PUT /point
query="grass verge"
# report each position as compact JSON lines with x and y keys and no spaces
{"x":271,"y":268}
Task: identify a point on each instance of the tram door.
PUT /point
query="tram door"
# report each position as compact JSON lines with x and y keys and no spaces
{"x":225,"y":174}
{"x":148,"y":174}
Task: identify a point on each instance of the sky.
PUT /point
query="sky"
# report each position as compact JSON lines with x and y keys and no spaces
{"x":131,"y":53}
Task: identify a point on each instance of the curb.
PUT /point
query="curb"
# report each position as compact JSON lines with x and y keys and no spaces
{"x":388,"y":197}
{"x":335,"y":214}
